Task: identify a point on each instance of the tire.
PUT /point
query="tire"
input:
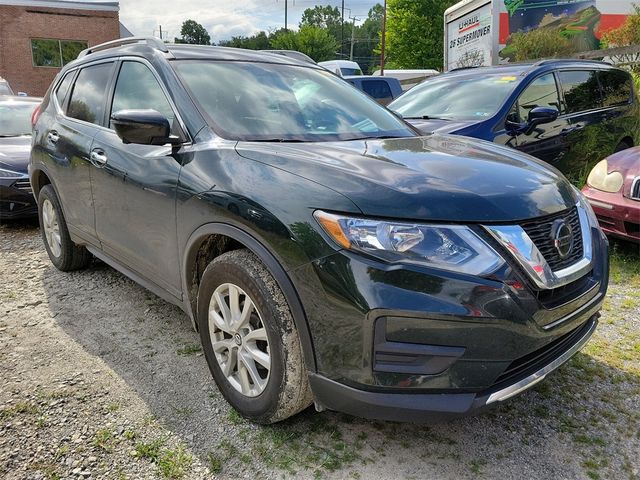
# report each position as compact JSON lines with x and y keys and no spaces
{"x":260,"y":394}
{"x":622,"y":146}
{"x":63,"y":253}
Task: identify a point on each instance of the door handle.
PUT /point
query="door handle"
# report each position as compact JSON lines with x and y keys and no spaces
{"x":575,"y":128}
{"x":98,"y":158}
{"x":53,"y":136}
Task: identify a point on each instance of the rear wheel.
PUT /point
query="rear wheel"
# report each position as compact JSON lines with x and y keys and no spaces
{"x":622,"y":146}
{"x":250,"y":339}
{"x":63,"y":253}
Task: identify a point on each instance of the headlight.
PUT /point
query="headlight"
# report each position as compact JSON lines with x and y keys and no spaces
{"x":450,"y":247}
{"x":11,"y":175}
{"x":601,"y":179}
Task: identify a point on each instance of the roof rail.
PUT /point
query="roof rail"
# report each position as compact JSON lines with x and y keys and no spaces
{"x":568,"y":60}
{"x":153,"y":42}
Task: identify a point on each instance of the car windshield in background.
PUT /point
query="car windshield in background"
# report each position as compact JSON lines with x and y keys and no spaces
{"x":15,"y":118}
{"x":468,"y":97}
{"x":271,"y":102}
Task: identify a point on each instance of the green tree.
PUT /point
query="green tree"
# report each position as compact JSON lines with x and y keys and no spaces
{"x":322,"y":16}
{"x":313,"y":41}
{"x":259,"y":41}
{"x":415,"y":33}
{"x":193,"y":33}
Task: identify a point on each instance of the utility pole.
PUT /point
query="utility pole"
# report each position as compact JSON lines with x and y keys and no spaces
{"x":285,"y":15}
{"x":160,"y":26}
{"x":342,"y":32}
{"x":384,"y":38}
{"x":353,"y":30}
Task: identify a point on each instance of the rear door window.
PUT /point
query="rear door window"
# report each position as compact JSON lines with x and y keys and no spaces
{"x":581,"y":90}
{"x":138,"y":89}
{"x":376,"y":88}
{"x":88,"y":98}
{"x":616,"y":87}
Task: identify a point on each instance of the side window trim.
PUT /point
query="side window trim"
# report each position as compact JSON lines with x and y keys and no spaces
{"x":113,"y":61}
{"x":62,"y":108}
{"x":112,"y":88}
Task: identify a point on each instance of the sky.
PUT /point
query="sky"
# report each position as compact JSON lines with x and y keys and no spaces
{"x":223,"y":18}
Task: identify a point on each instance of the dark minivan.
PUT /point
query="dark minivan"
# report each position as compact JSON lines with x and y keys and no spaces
{"x":569,"y":113}
{"x":325,"y":252}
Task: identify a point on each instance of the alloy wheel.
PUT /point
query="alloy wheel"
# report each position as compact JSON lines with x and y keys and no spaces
{"x":239,"y":339}
{"x":51,"y":228}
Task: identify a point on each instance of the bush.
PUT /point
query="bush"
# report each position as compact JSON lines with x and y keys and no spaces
{"x":627,"y":34}
{"x":539,"y":43}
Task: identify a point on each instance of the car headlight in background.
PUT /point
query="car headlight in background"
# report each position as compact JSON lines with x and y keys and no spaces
{"x":10,"y":175}
{"x":601,"y":179}
{"x":450,"y":247}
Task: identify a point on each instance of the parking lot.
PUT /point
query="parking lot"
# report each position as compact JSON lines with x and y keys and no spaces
{"x":102,"y":379}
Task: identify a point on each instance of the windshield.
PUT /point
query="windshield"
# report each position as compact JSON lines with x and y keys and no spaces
{"x":15,"y":118}
{"x":271,"y":102}
{"x":469,"y":97}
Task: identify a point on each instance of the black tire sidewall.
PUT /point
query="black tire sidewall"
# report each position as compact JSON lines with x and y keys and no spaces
{"x":261,"y":407}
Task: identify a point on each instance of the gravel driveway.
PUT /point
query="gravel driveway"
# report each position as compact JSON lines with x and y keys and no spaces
{"x":102,"y":379}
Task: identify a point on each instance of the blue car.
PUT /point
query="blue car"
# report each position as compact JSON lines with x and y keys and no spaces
{"x":569,"y":113}
{"x":382,"y":89}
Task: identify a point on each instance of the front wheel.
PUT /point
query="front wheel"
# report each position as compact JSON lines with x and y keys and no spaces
{"x":250,"y":339}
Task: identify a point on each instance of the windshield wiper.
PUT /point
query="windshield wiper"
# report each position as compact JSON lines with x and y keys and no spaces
{"x":427,"y":117}
{"x":280,"y":140}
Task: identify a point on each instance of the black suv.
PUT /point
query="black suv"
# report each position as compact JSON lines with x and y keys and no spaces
{"x":570,"y":113}
{"x":324,"y":250}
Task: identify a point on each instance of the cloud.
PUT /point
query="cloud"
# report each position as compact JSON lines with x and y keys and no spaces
{"x":222,"y":18}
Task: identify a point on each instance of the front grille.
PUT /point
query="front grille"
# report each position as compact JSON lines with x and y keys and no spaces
{"x":539,"y":232}
{"x":23,"y":184}
{"x":635,"y":189}
{"x":538,"y":359}
{"x":556,"y":297}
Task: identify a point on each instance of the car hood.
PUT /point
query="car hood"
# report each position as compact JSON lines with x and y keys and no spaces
{"x":14,"y":152}
{"x":436,"y":177}
{"x":439,"y":126}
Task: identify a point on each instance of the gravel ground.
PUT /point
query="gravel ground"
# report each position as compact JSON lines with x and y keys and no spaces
{"x":102,"y":379}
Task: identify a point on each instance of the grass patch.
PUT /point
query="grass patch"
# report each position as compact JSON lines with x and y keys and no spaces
{"x":625,"y":264}
{"x":149,"y":450}
{"x":171,"y":463}
{"x":215,"y":463}
{"x":27,"y":408}
{"x":189,"y":349}
{"x":234,"y":417}
{"x":175,"y":463}
{"x":104,"y":440}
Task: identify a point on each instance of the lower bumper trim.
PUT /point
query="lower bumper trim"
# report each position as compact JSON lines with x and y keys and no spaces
{"x":538,"y":376}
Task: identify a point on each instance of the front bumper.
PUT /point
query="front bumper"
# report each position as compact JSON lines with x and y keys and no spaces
{"x":16,"y":200}
{"x":425,"y":407}
{"x":401,"y":343}
{"x":618,"y":215}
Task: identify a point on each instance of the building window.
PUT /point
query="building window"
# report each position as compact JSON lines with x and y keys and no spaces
{"x":55,"y":53}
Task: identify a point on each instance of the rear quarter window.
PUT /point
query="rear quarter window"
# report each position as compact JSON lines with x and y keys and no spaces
{"x":616,"y":87}
{"x":376,"y":88}
{"x":63,"y":88}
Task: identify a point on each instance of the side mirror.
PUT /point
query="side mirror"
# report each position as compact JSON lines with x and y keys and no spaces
{"x":144,"y":127}
{"x":541,"y":115}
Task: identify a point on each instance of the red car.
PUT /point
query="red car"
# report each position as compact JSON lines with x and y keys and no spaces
{"x":613,"y":189}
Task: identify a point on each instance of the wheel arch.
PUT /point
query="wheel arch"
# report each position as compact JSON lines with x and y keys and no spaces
{"x":214,"y":239}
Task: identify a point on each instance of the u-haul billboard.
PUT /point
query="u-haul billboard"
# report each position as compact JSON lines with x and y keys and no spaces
{"x":477,"y":32}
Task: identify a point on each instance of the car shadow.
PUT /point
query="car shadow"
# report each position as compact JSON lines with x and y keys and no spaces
{"x":150,"y":345}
